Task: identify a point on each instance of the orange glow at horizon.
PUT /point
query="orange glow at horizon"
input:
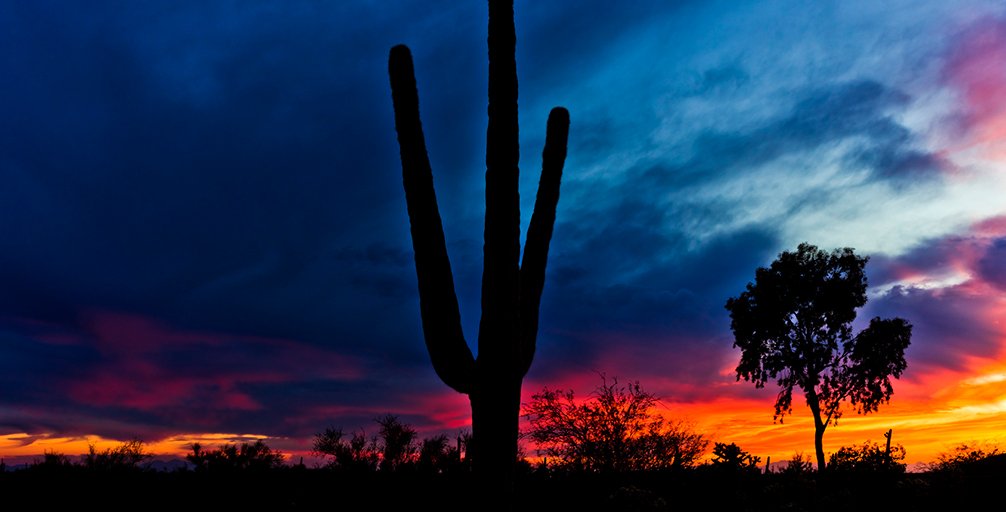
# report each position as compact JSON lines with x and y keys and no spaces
{"x":925,"y":428}
{"x":930,"y":414}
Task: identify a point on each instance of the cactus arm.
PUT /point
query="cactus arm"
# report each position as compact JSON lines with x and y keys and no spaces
{"x":438,"y":304}
{"x":539,"y":233}
{"x":498,"y":328}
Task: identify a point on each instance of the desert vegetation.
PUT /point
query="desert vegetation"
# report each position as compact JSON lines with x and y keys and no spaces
{"x":607,"y":452}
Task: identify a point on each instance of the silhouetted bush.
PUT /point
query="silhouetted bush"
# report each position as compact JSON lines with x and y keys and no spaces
{"x":869,"y":457}
{"x":394,"y":448}
{"x":615,"y":430}
{"x":354,"y":454}
{"x":52,"y":461}
{"x":798,"y":465}
{"x":438,"y":455}
{"x":398,"y":443}
{"x":966,"y":478}
{"x":124,"y":457}
{"x":970,"y":458}
{"x":256,"y":456}
{"x":730,"y":457}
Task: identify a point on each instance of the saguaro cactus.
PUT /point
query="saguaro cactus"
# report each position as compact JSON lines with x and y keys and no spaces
{"x":511,"y":289}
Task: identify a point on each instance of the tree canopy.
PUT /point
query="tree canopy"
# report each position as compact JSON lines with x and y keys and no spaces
{"x":617,"y":429}
{"x":794,"y":326}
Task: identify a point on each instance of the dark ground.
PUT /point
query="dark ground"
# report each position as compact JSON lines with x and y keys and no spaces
{"x":317,"y":489}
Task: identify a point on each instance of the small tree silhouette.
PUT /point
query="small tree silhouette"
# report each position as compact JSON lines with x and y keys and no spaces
{"x":615,"y":430}
{"x":511,"y":289}
{"x":794,"y":325}
{"x":398,"y":443}
{"x":731,"y":457}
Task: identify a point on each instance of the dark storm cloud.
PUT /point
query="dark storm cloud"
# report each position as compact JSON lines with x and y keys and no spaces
{"x":219,"y":182}
{"x":222,"y":168}
{"x":203,"y":178}
{"x":605,"y":302}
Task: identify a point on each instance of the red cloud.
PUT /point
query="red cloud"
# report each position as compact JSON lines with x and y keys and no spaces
{"x":975,"y":68}
{"x":148,"y":366}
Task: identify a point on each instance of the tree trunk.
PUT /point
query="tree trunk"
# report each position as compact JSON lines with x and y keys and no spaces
{"x":819,"y":443}
{"x":819,"y":426}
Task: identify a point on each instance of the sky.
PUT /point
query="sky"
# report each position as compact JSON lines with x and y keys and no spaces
{"x":203,"y":234}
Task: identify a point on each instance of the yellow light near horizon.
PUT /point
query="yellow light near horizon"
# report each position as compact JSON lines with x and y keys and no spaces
{"x":27,"y":445}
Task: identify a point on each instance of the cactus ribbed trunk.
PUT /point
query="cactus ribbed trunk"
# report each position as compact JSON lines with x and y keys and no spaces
{"x":511,"y":288}
{"x":495,"y":414}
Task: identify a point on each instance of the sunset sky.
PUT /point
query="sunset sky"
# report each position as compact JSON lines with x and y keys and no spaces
{"x":203,"y":232}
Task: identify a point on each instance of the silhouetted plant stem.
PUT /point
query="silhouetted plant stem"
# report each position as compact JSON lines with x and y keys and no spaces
{"x":819,"y":427}
{"x":438,"y":304}
{"x":511,"y":289}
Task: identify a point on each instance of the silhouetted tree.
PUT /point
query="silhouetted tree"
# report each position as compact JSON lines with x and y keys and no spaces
{"x":731,"y":457}
{"x":511,"y":289}
{"x":615,"y":430}
{"x":126,"y":456}
{"x":256,"y":456}
{"x":398,"y":442}
{"x":354,"y":454}
{"x":869,"y":457}
{"x":794,"y":325}
{"x":799,"y":464}
{"x":970,"y":457}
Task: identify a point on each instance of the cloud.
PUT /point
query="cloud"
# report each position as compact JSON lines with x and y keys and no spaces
{"x":992,"y":265}
{"x":133,"y":371}
{"x":855,"y":117}
{"x":949,"y":289}
{"x":949,"y":327}
{"x":972,"y":67}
